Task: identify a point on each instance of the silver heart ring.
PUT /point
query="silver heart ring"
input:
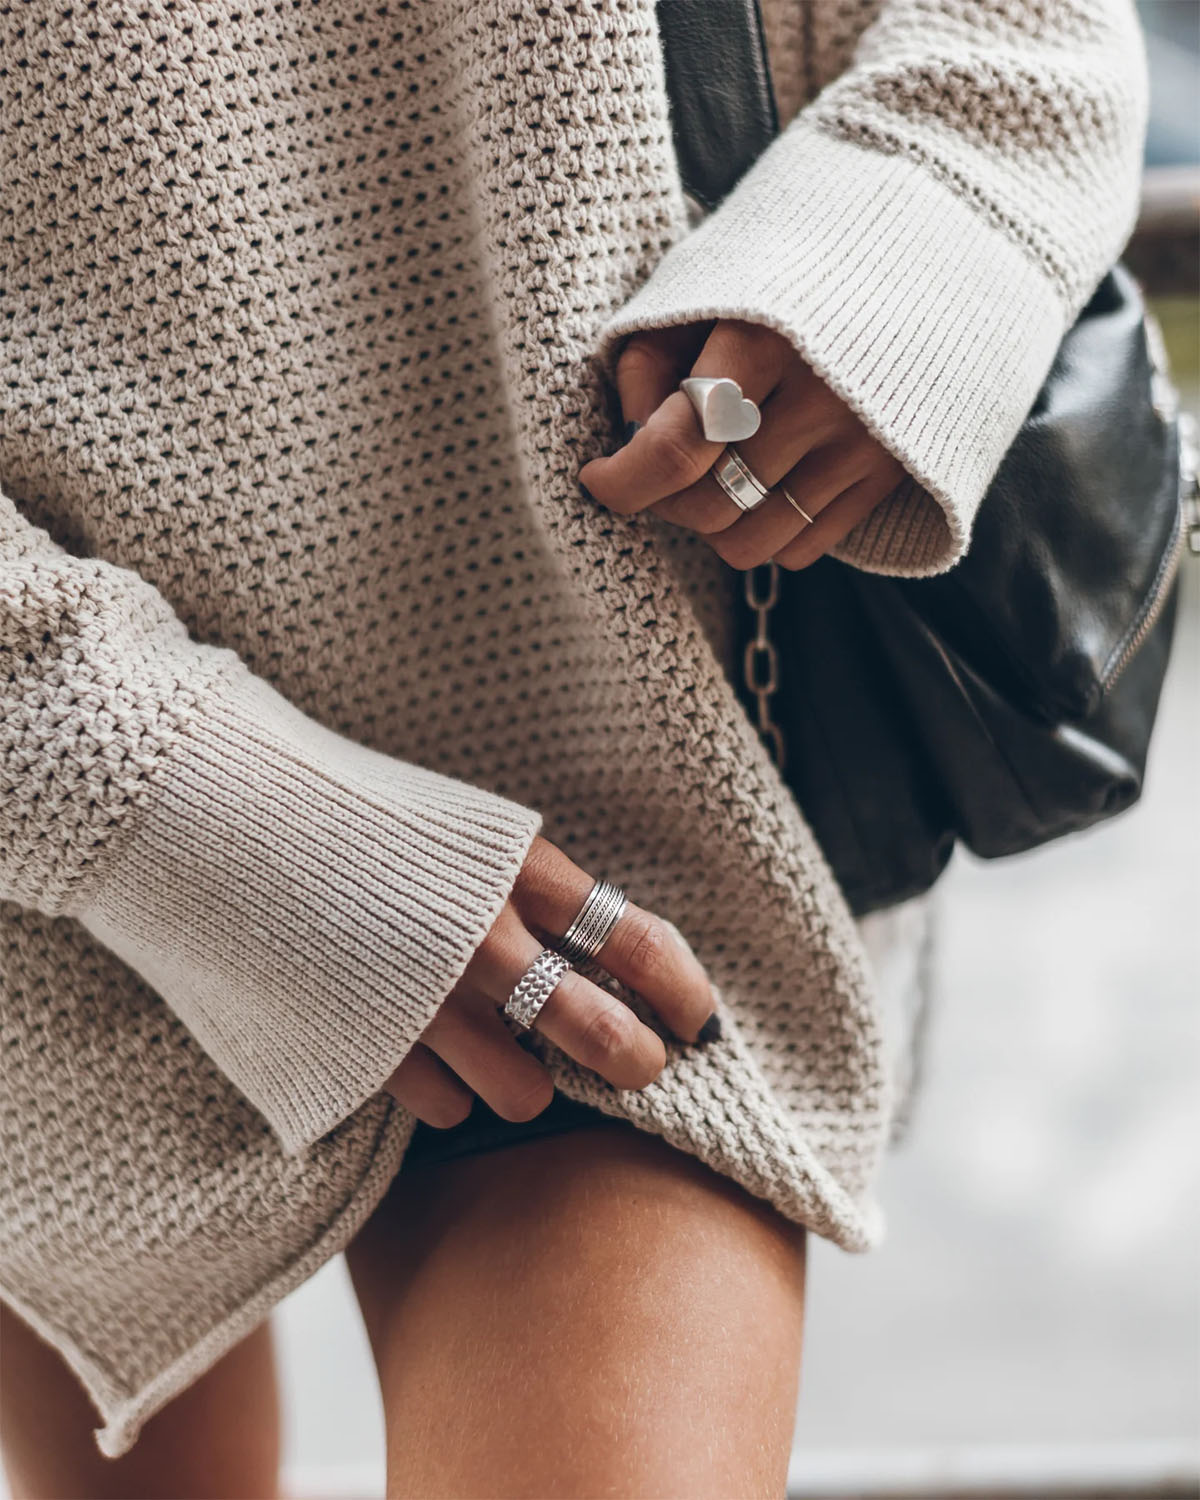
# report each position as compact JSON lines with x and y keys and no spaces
{"x":726,"y":416}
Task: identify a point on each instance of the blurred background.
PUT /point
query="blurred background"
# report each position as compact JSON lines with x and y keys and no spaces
{"x":1032,"y":1325}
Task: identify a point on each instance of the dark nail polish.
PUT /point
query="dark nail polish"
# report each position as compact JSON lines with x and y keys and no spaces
{"x":711,"y":1030}
{"x":629,"y":431}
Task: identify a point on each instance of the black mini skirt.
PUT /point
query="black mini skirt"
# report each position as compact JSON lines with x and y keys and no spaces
{"x":484,"y":1130}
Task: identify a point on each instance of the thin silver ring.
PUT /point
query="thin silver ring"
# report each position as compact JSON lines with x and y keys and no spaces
{"x":597,"y":917}
{"x":535,"y":987}
{"x":738,"y":480}
{"x":795,"y":504}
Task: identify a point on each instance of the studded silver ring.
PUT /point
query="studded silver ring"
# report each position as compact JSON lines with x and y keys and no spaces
{"x":535,"y":987}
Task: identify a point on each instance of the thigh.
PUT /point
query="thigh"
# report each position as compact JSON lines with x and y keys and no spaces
{"x":591,"y":1313}
{"x":217,"y":1440}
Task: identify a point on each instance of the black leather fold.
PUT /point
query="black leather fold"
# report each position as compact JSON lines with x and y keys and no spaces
{"x":722,"y":104}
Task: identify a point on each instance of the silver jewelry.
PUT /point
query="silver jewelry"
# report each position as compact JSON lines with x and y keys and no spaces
{"x":535,"y":987}
{"x":794,"y":503}
{"x":597,"y":917}
{"x":726,"y":416}
{"x":738,"y":480}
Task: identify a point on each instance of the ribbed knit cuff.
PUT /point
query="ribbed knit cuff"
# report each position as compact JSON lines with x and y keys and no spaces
{"x":928,"y":319}
{"x":304,"y":903}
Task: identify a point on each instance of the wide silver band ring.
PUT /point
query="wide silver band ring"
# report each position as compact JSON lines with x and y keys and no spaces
{"x":535,"y":987}
{"x":597,"y":917}
{"x":738,"y":480}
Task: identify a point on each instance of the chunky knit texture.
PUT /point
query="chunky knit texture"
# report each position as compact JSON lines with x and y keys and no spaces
{"x":306,"y":626}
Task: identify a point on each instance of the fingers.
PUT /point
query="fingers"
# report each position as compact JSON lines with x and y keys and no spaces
{"x":814,"y":484}
{"x":801,"y":417}
{"x":426,"y":1087}
{"x":755,"y":356}
{"x":809,"y":443}
{"x":670,"y":452}
{"x":469,"y":1034}
{"x":469,"y":1046}
{"x":643,"y":951}
{"x":651,"y":365}
{"x":837,"y":520}
{"x":588,"y":1023}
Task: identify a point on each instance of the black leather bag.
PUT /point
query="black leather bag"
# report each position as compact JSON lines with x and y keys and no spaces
{"x":1010,"y":700}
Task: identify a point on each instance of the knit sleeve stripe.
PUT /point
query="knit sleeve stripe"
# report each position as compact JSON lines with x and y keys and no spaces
{"x":933,"y":325}
{"x":304,"y":903}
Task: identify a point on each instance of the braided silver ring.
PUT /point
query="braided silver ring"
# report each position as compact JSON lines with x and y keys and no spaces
{"x":597,"y":917}
{"x":535,"y":987}
{"x":738,"y":480}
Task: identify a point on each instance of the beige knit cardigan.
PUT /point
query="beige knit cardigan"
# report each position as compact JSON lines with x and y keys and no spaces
{"x":306,"y":626}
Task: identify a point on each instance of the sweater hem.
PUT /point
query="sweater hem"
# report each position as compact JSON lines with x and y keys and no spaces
{"x":124,"y":1415}
{"x":305,"y":903}
{"x":855,"y":1226}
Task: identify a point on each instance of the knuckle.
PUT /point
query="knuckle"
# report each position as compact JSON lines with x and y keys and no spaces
{"x":735,"y":338}
{"x":640,"y":357}
{"x":647,"y":947}
{"x":671,"y":460}
{"x":607,"y":1035}
{"x":735,"y":550}
{"x":538,"y":867}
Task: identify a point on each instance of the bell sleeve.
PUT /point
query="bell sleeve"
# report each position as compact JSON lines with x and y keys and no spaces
{"x":924,"y":232}
{"x":302,"y":902}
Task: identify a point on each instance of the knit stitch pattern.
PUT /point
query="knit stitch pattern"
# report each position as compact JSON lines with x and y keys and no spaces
{"x":306,"y":627}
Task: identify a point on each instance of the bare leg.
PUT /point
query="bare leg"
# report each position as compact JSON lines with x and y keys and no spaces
{"x":587,"y":1314}
{"x":218,"y":1440}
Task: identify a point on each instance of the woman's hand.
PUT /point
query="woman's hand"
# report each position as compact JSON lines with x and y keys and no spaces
{"x":809,"y":440}
{"x":468,"y":1049}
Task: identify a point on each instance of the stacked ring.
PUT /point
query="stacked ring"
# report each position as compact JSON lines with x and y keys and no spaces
{"x":738,"y":480}
{"x":535,"y":987}
{"x":597,"y":917}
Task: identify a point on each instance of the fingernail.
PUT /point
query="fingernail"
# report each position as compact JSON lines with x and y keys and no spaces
{"x":711,"y":1030}
{"x":629,"y":431}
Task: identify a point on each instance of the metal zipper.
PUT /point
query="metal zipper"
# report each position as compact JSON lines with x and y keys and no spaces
{"x":1165,"y":397}
{"x":1150,"y":619}
{"x":1187,"y":529}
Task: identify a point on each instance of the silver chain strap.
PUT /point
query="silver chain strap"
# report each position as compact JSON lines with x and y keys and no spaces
{"x":760,"y":661}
